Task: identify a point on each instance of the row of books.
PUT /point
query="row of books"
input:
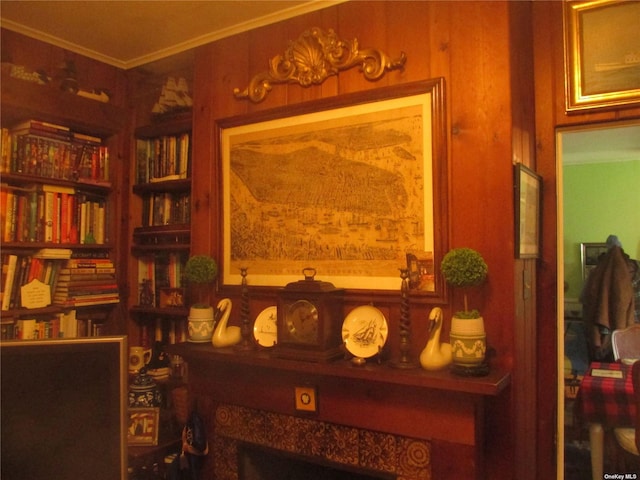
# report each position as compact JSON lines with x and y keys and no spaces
{"x":159,"y":271}
{"x":87,"y":281}
{"x":20,"y":270}
{"x":53,"y":151}
{"x":166,"y":209}
{"x":163,"y":158}
{"x":62,"y":325}
{"x":52,"y":213}
{"x":71,"y":282}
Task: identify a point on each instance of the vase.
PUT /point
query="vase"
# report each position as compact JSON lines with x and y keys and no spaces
{"x":143,"y":391}
{"x":468,"y":342}
{"x":200,"y":324}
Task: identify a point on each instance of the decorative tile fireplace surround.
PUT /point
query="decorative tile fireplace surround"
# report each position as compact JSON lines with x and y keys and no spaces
{"x":389,"y":423}
{"x":317,"y":442}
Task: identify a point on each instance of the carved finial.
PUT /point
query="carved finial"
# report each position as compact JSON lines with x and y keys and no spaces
{"x":315,"y":56}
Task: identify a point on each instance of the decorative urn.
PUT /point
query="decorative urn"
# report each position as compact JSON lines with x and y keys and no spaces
{"x":143,"y":391}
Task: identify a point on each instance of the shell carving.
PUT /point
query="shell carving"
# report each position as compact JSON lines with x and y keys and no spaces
{"x":315,"y":56}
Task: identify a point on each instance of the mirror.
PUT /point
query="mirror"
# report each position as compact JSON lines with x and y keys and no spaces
{"x":598,"y":170}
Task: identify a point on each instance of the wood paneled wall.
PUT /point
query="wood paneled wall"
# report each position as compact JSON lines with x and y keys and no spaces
{"x":489,"y":95}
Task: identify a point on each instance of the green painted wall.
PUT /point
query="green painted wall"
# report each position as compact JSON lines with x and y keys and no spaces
{"x":599,"y":199}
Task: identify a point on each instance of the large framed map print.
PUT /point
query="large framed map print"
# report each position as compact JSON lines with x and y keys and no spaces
{"x":349,"y":186}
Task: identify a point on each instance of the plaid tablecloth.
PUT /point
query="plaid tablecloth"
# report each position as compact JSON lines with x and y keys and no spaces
{"x":607,"y":400}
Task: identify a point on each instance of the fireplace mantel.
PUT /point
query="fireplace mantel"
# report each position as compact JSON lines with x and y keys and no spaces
{"x":490,"y":385}
{"x":440,"y":407}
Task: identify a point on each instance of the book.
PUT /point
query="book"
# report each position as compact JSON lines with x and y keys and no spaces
{"x":68,"y":324}
{"x":85,"y":277}
{"x":41,"y":126}
{"x":12,"y":261}
{"x":89,"y":263}
{"x":77,"y":291}
{"x":87,"y":270}
{"x":26,"y":328}
{"x":88,"y":302}
{"x":11,"y":212}
{"x":54,"y":253}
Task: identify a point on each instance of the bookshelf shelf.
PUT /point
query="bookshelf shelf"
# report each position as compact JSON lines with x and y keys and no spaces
{"x":165,"y":312}
{"x":29,"y":180}
{"x":181,"y":185}
{"x":24,"y":100}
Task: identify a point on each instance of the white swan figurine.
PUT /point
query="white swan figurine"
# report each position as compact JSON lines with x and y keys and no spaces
{"x":435,"y":355}
{"x":224,"y":336}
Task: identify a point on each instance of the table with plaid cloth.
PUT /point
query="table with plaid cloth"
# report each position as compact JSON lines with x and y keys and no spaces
{"x":608,"y":402}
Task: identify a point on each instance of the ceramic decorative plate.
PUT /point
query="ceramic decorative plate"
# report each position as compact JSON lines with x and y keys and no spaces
{"x":265,"y":328}
{"x":364,"y":331}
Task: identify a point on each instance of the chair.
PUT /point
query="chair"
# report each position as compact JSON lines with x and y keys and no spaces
{"x":628,"y":438}
{"x":626,"y":342}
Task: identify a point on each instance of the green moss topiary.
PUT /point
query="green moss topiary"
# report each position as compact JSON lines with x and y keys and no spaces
{"x":464,"y":267}
{"x":200,"y":271}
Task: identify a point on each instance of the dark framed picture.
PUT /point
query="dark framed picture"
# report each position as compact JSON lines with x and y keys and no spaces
{"x":590,"y":254}
{"x":602,"y":54}
{"x":143,"y":426}
{"x":348,"y":185}
{"x":527,"y":207}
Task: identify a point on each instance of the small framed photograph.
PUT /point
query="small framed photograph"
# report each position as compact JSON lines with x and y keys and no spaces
{"x":602,"y":60}
{"x":421,"y":271}
{"x":171,"y":297}
{"x":527,"y":207}
{"x":143,"y":426}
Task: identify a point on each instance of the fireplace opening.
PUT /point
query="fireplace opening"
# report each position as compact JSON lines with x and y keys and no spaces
{"x":260,"y":463}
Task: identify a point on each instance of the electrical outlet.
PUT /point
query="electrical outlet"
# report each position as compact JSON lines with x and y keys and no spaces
{"x":306,"y":399}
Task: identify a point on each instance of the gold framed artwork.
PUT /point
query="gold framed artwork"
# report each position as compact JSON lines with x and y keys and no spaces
{"x":602,"y":54}
{"x":527,"y":207}
{"x":143,"y":426}
{"x":347,"y":185}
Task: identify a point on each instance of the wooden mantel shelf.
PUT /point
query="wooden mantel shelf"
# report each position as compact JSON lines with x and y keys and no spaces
{"x":491,"y":385}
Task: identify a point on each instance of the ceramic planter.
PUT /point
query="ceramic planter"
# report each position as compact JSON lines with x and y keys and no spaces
{"x":200,"y":324}
{"x":468,"y":341}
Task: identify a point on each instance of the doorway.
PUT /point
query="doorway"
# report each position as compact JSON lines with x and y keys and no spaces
{"x":598,"y":170}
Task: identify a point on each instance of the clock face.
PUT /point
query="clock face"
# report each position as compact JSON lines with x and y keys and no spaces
{"x":302,"y":321}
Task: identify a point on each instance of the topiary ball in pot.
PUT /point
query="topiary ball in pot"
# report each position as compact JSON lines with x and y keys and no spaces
{"x":464,"y":268}
{"x":200,"y":271}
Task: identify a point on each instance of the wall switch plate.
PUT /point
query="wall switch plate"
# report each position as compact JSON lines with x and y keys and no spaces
{"x":306,"y":399}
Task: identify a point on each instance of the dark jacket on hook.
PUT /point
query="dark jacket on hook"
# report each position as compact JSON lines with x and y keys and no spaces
{"x":608,"y":300}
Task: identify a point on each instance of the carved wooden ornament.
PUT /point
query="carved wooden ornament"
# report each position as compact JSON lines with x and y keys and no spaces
{"x":314,"y":56}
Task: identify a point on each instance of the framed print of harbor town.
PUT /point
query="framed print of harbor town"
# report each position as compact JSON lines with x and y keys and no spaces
{"x":602,"y":54}
{"x":349,"y":185}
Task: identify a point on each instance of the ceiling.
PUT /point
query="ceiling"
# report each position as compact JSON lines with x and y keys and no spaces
{"x":131,"y":33}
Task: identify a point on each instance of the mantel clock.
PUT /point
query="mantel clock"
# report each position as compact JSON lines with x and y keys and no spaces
{"x":309,"y":320}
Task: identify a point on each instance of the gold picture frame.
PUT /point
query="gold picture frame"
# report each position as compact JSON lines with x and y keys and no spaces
{"x":602,"y":54}
{"x":346,"y":185}
{"x":143,"y":426}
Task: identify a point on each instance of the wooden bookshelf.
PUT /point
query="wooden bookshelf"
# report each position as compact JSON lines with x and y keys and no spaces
{"x":104,"y":123}
{"x":157,"y":234}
